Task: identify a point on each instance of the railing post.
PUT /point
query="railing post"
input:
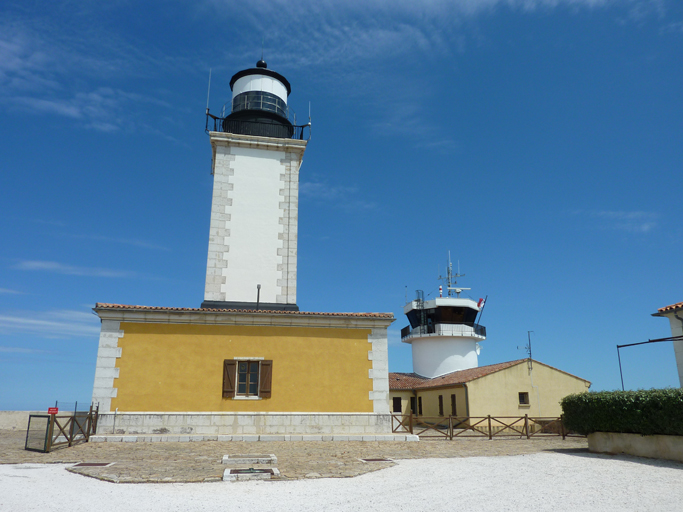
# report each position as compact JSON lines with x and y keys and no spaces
{"x":564,"y":433}
{"x":526,"y":425}
{"x":411,"y":422}
{"x":490,"y":431}
{"x":50,"y":429}
{"x":450,"y":428}
{"x":88,"y":424}
{"x":96,"y":418}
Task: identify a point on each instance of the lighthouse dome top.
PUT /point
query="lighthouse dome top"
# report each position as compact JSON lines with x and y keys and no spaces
{"x":261,"y":71}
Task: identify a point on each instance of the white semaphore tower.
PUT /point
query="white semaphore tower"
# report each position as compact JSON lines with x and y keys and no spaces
{"x":443,"y":331}
{"x":257,"y":152}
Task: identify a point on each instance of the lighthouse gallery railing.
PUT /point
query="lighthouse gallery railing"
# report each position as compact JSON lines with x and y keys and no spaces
{"x":467,"y":329}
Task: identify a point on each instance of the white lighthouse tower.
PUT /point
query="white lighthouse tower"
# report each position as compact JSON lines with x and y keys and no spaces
{"x":443,"y":331}
{"x":257,"y":152}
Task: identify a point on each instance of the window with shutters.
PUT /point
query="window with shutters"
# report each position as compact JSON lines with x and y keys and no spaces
{"x":247,"y":378}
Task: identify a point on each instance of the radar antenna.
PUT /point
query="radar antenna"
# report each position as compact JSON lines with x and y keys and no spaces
{"x":452,"y":279}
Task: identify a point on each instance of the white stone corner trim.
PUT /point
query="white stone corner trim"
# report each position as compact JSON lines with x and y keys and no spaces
{"x":108,"y":352}
{"x":379,"y":355}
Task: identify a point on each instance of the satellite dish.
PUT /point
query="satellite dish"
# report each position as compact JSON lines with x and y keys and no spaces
{"x":477,"y":347}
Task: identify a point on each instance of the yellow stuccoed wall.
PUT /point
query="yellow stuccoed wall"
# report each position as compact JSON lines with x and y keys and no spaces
{"x":179,"y":367}
{"x":497,"y":394}
{"x":430,"y":401}
{"x":405,"y":400}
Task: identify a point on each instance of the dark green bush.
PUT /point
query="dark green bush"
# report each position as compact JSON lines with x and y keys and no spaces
{"x":647,"y":412}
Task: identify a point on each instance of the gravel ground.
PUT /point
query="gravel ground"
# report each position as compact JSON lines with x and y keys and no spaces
{"x":540,"y":481}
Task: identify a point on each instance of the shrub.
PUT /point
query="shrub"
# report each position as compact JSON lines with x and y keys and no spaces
{"x":646,"y":412}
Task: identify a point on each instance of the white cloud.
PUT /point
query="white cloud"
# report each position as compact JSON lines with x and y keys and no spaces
{"x":45,"y":68}
{"x":50,"y":324}
{"x":57,"y":62}
{"x":336,"y":196}
{"x":19,"y":350}
{"x":635,"y":222}
{"x":10,"y":292}
{"x":629,"y":221}
{"x":351,"y":31}
{"x":60,"y":268}
{"x":124,"y":241}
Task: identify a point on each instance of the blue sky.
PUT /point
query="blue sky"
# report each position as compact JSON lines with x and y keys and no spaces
{"x":540,"y":141}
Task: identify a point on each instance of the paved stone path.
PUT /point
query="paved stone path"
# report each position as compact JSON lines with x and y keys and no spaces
{"x":201,"y":461}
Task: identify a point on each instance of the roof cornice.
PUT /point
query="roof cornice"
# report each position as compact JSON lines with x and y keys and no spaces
{"x":148,"y":314}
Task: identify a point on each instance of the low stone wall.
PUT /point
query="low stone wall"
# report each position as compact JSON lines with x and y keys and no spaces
{"x":15,"y":420}
{"x":655,"y":447}
{"x":220,"y":423}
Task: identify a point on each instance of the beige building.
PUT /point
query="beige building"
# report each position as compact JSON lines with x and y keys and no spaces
{"x":513,"y":388}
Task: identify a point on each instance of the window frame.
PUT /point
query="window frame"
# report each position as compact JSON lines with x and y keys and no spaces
{"x":252,"y":369}
{"x":263,"y":383}
{"x":523,"y":398}
{"x":397,"y":400}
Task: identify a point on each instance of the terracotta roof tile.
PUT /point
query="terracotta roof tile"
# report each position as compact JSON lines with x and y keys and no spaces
{"x":409,"y":381}
{"x":406,"y":381}
{"x":459,"y":377}
{"x":102,"y":305}
{"x":672,"y":307}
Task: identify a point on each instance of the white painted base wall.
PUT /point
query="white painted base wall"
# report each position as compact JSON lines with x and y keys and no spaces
{"x":220,"y":423}
{"x":654,"y":447}
{"x":16,"y":420}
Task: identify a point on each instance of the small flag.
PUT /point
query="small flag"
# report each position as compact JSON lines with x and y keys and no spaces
{"x":481,"y":303}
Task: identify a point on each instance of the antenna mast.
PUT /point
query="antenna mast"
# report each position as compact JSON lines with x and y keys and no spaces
{"x":452,"y":279}
{"x":208,"y":92}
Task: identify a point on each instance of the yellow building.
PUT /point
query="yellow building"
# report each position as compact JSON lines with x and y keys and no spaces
{"x":210,"y":372}
{"x":513,"y":388}
{"x":247,"y":362}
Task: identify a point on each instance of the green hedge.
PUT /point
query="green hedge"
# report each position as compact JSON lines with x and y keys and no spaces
{"x":647,"y":412}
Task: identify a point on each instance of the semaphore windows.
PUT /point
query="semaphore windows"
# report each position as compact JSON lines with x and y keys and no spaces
{"x":247,"y":378}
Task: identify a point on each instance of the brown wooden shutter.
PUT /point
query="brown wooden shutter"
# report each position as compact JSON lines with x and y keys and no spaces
{"x":265,"y":379}
{"x":229,"y":371}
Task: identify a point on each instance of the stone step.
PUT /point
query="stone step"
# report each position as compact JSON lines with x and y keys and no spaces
{"x":151,"y":438}
{"x":238,"y":475}
{"x":249,"y":458}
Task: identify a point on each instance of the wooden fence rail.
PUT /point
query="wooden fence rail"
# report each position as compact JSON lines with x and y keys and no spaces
{"x":449,"y":427}
{"x":48,"y":431}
